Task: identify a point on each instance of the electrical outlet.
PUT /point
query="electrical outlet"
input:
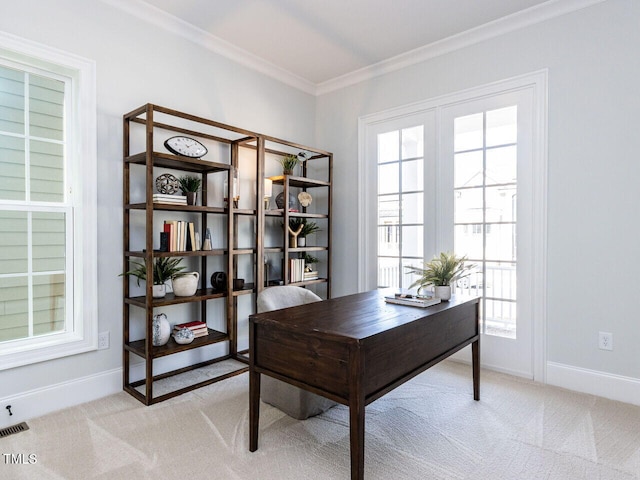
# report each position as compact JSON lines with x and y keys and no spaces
{"x":103,"y":340}
{"x":605,"y":341}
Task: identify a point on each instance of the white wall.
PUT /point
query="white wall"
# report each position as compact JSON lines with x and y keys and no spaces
{"x":136,"y":63}
{"x":593,"y":170}
{"x":593,"y":252}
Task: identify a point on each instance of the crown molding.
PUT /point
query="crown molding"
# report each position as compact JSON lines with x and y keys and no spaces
{"x":522,"y":19}
{"x":177,"y":26}
{"x":516,"y":21}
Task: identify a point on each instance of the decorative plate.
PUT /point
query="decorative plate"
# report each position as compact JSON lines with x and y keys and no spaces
{"x":305,"y":199}
{"x":167,"y":184}
{"x":185,"y":146}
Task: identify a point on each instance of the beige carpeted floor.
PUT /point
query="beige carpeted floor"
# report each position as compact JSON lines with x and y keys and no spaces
{"x":429,"y":428}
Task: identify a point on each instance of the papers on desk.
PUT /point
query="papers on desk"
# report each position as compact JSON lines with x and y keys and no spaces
{"x":412,"y":300}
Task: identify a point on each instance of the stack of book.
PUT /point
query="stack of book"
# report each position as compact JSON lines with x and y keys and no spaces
{"x":199,"y":329}
{"x":169,"y":199}
{"x":311,"y":275}
{"x":421,"y":301}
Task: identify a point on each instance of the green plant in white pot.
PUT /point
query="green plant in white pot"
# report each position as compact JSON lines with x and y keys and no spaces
{"x":164,"y":268}
{"x":441,"y":272}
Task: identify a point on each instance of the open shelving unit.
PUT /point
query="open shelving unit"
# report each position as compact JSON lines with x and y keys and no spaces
{"x":238,"y":251}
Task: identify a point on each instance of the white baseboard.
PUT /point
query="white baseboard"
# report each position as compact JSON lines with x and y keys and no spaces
{"x":602,"y":384}
{"x":35,"y":403}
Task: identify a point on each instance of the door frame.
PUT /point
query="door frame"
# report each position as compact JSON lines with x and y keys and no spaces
{"x":538,"y":83}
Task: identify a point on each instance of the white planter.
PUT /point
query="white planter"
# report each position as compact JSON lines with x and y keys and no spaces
{"x":159,"y":291}
{"x":443,"y":292}
{"x":185,"y":284}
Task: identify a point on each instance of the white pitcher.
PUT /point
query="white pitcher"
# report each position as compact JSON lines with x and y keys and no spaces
{"x":185,"y":284}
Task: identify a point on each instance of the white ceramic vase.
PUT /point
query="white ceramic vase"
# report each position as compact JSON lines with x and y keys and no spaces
{"x":161,"y":330}
{"x":185,"y":284}
{"x":443,"y":292}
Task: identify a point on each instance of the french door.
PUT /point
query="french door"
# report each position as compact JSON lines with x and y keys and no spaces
{"x":485,"y":175}
{"x":464,"y":174}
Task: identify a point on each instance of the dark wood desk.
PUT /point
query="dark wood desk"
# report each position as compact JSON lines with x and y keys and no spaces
{"x":354,"y":350}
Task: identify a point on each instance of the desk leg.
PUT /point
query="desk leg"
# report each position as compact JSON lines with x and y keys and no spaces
{"x":254,"y":409}
{"x":356,"y":413}
{"x":356,"y":431}
{"x":475,"y":353}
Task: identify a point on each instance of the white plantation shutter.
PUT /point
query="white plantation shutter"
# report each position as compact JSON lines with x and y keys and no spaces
{"x":43,"y":130}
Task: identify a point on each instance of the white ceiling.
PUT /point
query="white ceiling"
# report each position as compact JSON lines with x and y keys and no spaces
{"x":316,"y":42}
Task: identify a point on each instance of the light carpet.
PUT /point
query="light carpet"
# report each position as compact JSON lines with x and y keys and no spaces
{"x":429,"y":428}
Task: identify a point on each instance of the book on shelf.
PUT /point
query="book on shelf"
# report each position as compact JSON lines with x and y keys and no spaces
{"x":411,"y":300}
{"x":169,"y":199}
{"x":182,"y":236}
{"x":296,"y":270}
{"x":199,"y":329}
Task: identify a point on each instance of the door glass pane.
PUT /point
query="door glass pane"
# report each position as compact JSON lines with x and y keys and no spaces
{"x":407,"y":277}
{"x":412,"y":175}
{"x":468,"y":241}
{"x":48,"y":304}
{"x":501,"y":242}
{"x":412,"y":241}
{"x":12,"y":168}
{"x":388,"y":210}
{"x":467,"y":169}
{"x":412,"y":142}
{"x":412,"y":208}
{"x":47,"y":172}
{"x":502,"y":165}
{"x":13,"y":242}
{"x":502,"y":126}
{"x":388,"y":272}
{"x":500,"y":318}
{"x":46,"y":108}
{"x":48,"y":241}
{"x":501,"y":203}
{"x":468,"y":205}
{"x":468,"y":132}
{"x":501,"y":280}
{"x":388,"y":178}
{"x":388,"y":146}
{"x":14,"y":305}
{"x":11,"y":101}
{"x":389,"y":240}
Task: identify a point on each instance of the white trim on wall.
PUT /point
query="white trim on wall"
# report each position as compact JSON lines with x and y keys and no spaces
{"x":41,"y":401}
{"x":602,"y":384}
{"x":516,"y":21}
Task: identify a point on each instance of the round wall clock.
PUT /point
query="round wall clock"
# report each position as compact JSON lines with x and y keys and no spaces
{"x":185,"y":146}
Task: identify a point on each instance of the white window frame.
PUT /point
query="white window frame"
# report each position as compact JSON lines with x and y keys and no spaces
{"x":80,"y":334}
{"x":367,"y":267}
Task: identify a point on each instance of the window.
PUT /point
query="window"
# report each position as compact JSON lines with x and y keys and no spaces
{"x":47,"y":204}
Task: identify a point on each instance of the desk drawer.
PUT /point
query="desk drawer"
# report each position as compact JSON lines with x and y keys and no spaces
{"x":302,"y":357}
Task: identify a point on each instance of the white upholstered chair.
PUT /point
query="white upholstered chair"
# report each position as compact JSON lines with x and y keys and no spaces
{"x":293,"y":401}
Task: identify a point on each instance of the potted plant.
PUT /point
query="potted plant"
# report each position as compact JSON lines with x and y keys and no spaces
{"x":164,"y":268}
{"x":289,"y":162}
{"x":190,"y":186}
{"x":305,"y":227}
{"x":441,"y":272}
